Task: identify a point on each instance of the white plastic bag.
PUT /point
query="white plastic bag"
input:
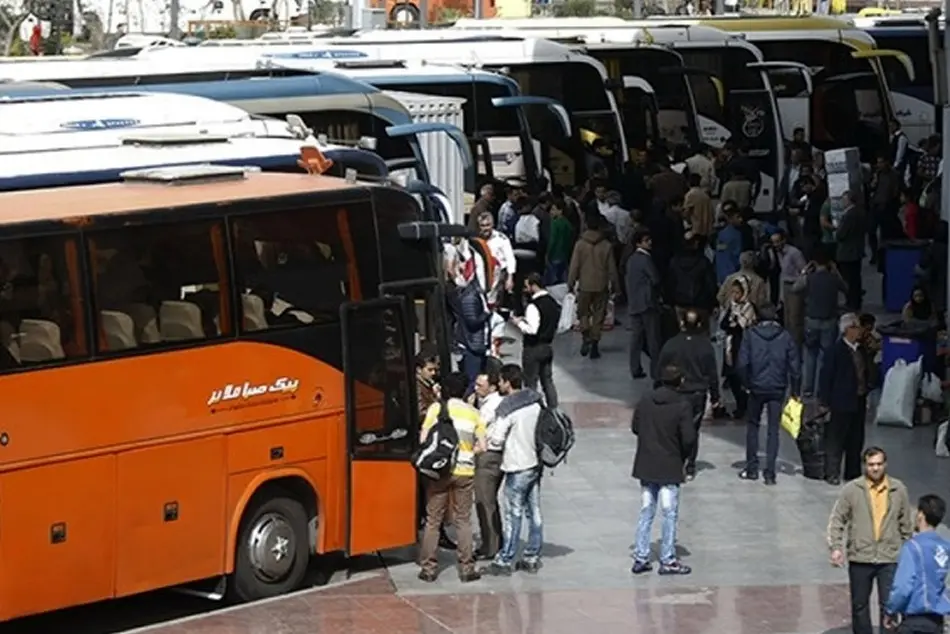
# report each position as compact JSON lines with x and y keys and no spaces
{"x":558,"y":292}
{"x":930,"y":388}
{"x":568,"y":310}
{"x":942,"y":449}
{"x":899,"y":396}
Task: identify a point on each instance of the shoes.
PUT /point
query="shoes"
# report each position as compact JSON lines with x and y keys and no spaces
{"x":531,"y":566}
{"x":468,"y":577}
{"x":640,"y":567}
{"x":481,"y":555}
{"x":639,"y":374}
{"x":428,"y":577}
{"x":674,"y":568}
{"x":594,"y":350}
{"x":748,"y":474}
{"x":585,"y":348}
{"x":770,"y":479}
{"x":833,"y":480}
{"x":496,"y":569}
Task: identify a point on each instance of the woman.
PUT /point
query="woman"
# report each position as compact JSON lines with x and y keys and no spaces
{"x":920,"y":308}
{"x":739,"y":316}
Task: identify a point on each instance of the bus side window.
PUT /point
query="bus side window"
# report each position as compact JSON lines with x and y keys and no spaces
{"x":157,"y":284}
{"x":41,"y":302}
{"x":293,"y":267}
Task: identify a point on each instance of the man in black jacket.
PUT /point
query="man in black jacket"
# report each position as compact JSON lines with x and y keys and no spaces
{"x":769,"y":364}
{"x":538,"y":327}
{"x":692,"y":352}
{"x":663,"y":424}
{"x":691,"y":280}
{"x":843,"y":389}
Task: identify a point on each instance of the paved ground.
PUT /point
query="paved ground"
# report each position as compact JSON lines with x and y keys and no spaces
{"x":758,"y":553}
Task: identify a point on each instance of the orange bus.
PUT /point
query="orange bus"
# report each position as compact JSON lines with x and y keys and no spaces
{"x":206,"y":373}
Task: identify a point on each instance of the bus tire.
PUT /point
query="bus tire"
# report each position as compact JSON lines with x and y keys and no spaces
{"x":405,"y":13}
{"x":272,"y":552}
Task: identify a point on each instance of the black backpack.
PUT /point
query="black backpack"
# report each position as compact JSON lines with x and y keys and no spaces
{"x":436,"y":455}
{"x":554,"y":436}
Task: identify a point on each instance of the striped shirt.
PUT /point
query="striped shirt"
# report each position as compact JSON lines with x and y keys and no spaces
{"x":469,"y":426}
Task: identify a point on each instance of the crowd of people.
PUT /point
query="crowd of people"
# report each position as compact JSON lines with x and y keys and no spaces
{"x":674,"y":241}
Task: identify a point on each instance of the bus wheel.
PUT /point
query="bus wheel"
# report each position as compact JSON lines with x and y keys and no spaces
{"x":272,"y":549}
{"x":405,"y":13}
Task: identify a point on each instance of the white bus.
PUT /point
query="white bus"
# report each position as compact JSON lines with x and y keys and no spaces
{"x":731,"y":85}
{"x":550,"y":75}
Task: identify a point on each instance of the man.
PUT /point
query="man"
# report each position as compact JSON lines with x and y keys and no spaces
{"x":698,"y":209}
{"x":692,"y":352}
{"x":701,"y":164}
{"x":663,"y":425}
{"x":592,"y":274}
{"x":500,"y":248}
{"x":737,"y":190}
{"x":538,"y":327}
{"x":472,"y":317}
{"x":871,"y":519}
{"x":820,"y":285}
{"x":768,"y":365}
{"x":849,"y":236}
{"x":799,"y":143}
{"x":643,"y":283}
{"x":842,"y":389}
{"x":919,"y":591}
{"x":514,"y":430}
{"x":427,"y":387}
{"x":729,"y":243}
{"x":691,"y":280}
{"x":885,"y":205}
{"x":791,"y":264}
{"x":507,"y":216}
{"x":897,"y":155}
{"x":457,"y":488}
{"x":484,"y":204}
{"x":489,"y":391}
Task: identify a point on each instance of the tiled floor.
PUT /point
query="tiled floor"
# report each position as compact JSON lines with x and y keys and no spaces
{"x":758,"y":553}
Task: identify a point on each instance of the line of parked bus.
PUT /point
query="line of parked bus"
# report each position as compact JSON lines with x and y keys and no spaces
{"x":256,"y":331}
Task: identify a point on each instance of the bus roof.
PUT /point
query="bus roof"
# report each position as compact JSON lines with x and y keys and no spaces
{"x":105,"y":162}
{"x":66,"y":111}
{"x":388,"y":71}
{"x":640,"y":31}
{"x":63,"y":204}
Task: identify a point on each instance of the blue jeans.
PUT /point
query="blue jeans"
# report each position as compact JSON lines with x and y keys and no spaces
{"x":820,"y":335}
{"x":668,"y":496}
{"x":472,"y":365}
{"x":522,"y":494}
{"x":555,"y":273}
{"x":773,"y":406}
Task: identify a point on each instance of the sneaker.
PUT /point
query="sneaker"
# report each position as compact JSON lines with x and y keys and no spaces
{"x":674,"y":568}
{"x":640,"y":567}
{"x":585,"y":348}
{"x":497,"y":569}
{"x":748,"y":474}
{"x":639,"y":374}
{"x":531,"y":566}
{"x":770,"y":479}
{"x":594,"y":350}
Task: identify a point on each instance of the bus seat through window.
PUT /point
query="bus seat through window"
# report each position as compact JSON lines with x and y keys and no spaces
{"x":254,"y":312}
{"x":119,"y":330}
{"x":180,"y":321}
{"x":40,"y":340}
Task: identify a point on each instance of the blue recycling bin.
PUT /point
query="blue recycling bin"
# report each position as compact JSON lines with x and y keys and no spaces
{"x":901,"y":257}
{"x":908,"y":341}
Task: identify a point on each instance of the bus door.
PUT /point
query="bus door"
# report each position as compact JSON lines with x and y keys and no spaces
{"x":916,"y":115}
{"x":710,"y":96}
{"x":846,"y":112}
{"x":636,"y":100}
{"x":752,"y":112}
{"x":497,"y":146}
{"x":382,"y":422}
{"x":676,"y":104}
{"x":792,"y":88}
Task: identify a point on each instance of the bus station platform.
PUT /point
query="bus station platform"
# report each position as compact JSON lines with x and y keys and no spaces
{"x":760,"y":564}
{"x":759,"y":559}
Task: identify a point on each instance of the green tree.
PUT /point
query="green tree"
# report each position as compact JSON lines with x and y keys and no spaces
{"x":575,"y":9}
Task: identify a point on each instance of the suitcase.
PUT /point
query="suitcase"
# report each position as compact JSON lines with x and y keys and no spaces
{"x":811,"y":444}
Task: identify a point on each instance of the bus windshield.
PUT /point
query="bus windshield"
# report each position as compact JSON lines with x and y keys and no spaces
{"x":850,"y":104}
{"x":579,"y":86}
